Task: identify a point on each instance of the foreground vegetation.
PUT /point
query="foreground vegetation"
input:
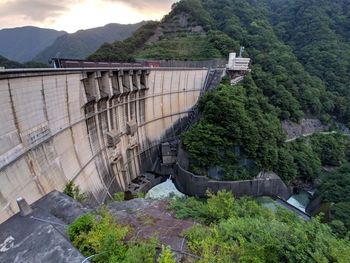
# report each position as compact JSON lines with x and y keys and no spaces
{"x":233,"y":230}
{"x":228,"y":230}
{"x":102,"y":238}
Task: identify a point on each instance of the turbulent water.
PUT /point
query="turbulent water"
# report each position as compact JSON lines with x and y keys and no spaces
{"x":164,"y":191}
{"x":300,"y":200}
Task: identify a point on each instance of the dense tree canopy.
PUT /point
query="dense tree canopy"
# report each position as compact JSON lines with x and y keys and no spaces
{"x":239,"y":130}
{"x":335,"y":195}
{"x":243,"y":231}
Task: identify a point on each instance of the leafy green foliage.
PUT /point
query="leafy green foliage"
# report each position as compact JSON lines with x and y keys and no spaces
{"x":306,"y":160}
{"x":120,"y":196}
{"x":195,"y":10}
{"x":341,"y":213}
{"x":251,"y":233}
{"x":141,"y":252}
{"x":102,"y":237}
{"x":230,"y":120}
{"x":73,"y":191}
{"x":166,"y":256}
{"x":332,"y":149}
{"x":238,"y":124}
{"x":335,"y":189}
{"x":140,"y":195}
{"x":319,"y":36}
{"x":193,"y":47}
{"x":190,"y":208}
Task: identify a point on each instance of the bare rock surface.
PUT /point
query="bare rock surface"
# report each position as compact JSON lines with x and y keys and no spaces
{"x":151,"y":218}
{"x":306,"y":127}
{"x":41,"y":235}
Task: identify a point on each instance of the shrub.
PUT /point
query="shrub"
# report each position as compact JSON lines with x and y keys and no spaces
{"x":102,"y":237}
{"x":118,"y":197}
{"x":73,"y":191}
{"x":142,"y":252}
{"x":166,"y":256}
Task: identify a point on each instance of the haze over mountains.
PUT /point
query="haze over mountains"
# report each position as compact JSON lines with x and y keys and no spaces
{"x":23,"y":43}
{"x":39,"y":44}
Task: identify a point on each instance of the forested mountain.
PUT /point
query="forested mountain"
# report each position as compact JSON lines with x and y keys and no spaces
{"x":183,"y":34}
{"x":319,"y":34}
{"x":23,"y":43}
{"x":9,"y":64}
{"x":84,"y":42}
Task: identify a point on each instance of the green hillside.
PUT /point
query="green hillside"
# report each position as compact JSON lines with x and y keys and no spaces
{"x":84,"y":42}
{"x":184,"y":34}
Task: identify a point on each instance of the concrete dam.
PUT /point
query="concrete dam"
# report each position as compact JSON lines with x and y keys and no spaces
{"x":100,"y":128}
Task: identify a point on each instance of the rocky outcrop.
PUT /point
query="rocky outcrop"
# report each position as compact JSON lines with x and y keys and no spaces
{"x":305,"y":127}
{"x":41,"y":236}
{"x":149,"y":218}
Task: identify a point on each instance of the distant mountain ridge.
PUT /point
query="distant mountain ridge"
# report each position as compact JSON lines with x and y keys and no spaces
{"x":39,"y":44}
{"x":84,"y":42}
{"x":23,"y":43}
{"x":9,"y":64}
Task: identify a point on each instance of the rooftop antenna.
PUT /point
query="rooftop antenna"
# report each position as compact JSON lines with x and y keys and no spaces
{"x":241,"y":50}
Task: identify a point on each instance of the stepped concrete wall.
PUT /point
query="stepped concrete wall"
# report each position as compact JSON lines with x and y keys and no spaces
{"x":100,"y":128}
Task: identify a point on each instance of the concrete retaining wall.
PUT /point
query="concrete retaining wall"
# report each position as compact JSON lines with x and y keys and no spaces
{"x":194,"y":185}
{"x":54,"y":125}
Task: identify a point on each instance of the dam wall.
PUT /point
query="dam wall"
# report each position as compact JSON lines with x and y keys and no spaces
{"x":100,"y":128}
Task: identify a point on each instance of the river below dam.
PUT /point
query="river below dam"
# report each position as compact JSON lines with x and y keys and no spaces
{"x":164,"y":190}
{"x":300,"y":200}
{"x":296,"y":203}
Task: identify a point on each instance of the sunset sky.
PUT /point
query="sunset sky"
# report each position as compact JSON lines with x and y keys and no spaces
{"x":72,"y":15}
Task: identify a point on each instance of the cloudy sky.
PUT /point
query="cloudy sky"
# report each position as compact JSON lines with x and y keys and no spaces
{"x":71,"y":15}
